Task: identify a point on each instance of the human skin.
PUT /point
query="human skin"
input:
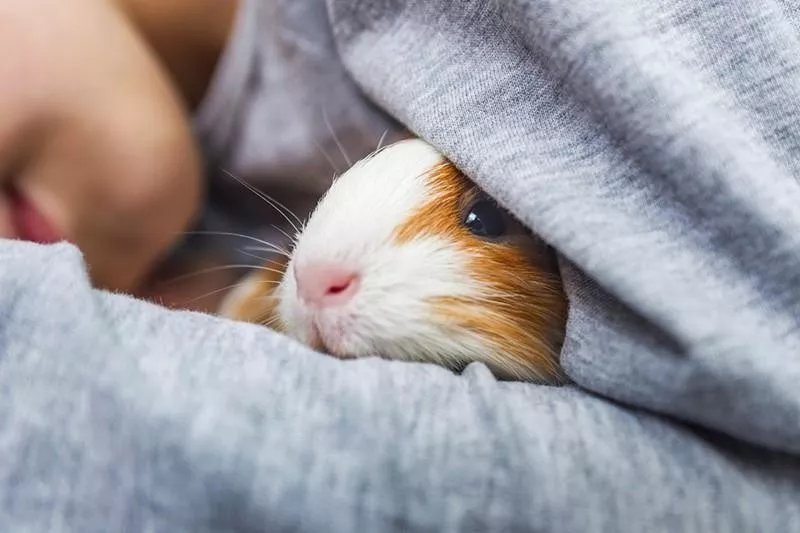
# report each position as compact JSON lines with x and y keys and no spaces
{"x":96,"y":140}
{"x":188,"y":37}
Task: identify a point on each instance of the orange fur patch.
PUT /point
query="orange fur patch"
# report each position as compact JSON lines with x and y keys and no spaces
{"x":258,"y":304}
{"x":521,"y":315}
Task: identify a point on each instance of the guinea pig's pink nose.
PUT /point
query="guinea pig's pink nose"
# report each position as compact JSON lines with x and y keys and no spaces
{"x":325,"y":285}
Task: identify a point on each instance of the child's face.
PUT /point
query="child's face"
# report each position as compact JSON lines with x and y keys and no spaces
{"x":95,"y":146}
{"x":122,"y":202}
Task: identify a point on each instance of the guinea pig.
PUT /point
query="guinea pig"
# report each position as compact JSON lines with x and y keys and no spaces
{"x":405,"y":258}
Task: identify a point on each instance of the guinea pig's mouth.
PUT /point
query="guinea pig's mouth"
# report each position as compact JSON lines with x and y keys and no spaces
{"x":328,"y":338}
{"x":318,"y":341}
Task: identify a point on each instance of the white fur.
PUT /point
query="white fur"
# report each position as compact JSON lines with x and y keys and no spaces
{"x":391,"y":314}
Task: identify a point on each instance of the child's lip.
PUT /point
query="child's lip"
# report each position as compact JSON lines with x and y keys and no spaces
{"x":29,"y":222}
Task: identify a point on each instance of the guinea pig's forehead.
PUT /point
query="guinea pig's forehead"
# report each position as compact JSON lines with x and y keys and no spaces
{"x":366,"y":204}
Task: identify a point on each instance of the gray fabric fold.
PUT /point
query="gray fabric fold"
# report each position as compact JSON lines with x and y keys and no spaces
{"x":117,"y":415}
{"x":653,"y":143}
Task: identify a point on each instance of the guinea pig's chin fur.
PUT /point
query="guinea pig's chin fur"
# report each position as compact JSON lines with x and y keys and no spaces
{"x":333,"y":331}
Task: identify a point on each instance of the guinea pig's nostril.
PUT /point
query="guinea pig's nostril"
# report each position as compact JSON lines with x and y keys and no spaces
{"x":326,"y":285}
{"x":340,"y":287}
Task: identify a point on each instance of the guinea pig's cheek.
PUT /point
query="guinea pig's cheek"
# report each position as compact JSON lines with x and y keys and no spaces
{"x":299,"y":320}
{"x":290,"y":310}
{"x":324,"y":330}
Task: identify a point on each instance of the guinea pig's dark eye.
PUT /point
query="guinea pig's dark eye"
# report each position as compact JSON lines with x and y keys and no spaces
{"x":486,"y":219}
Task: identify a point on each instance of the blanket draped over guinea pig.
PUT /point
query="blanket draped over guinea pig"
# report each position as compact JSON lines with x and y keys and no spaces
{"x":406,"y":258}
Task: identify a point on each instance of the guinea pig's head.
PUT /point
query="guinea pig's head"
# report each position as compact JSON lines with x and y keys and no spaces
{"x":405,"y":258}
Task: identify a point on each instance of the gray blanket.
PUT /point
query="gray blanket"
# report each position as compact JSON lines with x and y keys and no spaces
{"x":654,"y":143}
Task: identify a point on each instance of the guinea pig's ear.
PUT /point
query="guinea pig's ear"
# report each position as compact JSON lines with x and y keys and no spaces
{"x":253,"y":299}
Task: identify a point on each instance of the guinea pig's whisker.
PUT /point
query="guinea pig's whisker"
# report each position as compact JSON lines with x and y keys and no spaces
{"x":196,"y":273}
{"x":282,"y":210}
{"x":226,"y":288}
{"x":336,"y":138}
{"x":328,"y":158}
{"x":380,"y":141}
{"x":209,"y":270}
{"x":271,"y":322}
{"x":292,"y":240}
{"x":254,"y":256}
{"x":270,"y":247}
{"x":263,"y":259}
{"x":211,"y":293}
{"x":267,"y":269}
{"x":267,"y":282}
{"x":279,"y":264}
